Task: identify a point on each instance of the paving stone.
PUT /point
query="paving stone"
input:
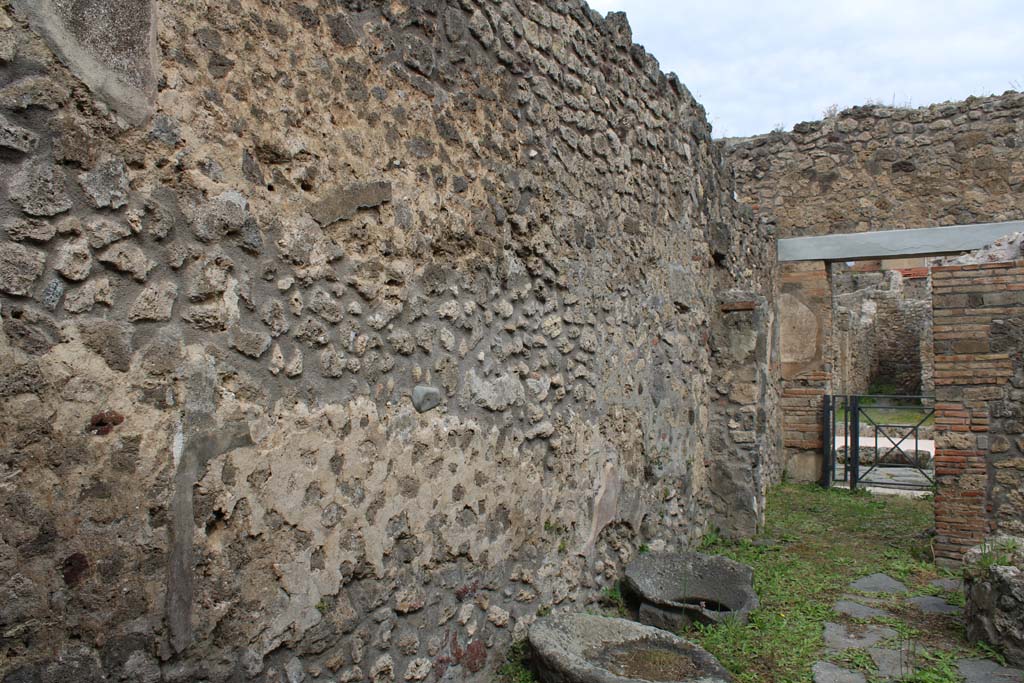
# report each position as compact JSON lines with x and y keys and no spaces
{"x":929,"y":604}
{"x":838,"y":638}
{"x":859,"y":611}
{"x":891,"y":664}
{"x":878,"y":583}
{"x":987,"y":671}
{"x":868,"y":600}
{"x":948,"y":584}
{"x":826,"y":672}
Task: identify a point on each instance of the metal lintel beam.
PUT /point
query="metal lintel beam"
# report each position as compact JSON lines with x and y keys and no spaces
{"x":950,"y":239}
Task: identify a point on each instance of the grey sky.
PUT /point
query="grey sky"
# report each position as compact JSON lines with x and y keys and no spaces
{"x":755,"y":65}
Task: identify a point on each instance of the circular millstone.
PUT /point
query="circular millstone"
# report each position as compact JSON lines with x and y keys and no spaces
{"x":678,"y":589}
{"x":585,"y":648}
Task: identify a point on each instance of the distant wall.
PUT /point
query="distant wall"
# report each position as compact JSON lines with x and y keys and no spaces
{"x":882,"y":331}
{"x":870,"y":168}
{"x":883,"y":168}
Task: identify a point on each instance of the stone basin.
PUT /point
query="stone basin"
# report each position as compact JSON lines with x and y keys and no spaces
{"x":586,"y":648}
{"x":675,"y":590}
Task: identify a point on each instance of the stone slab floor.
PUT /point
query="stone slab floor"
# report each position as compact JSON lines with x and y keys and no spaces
{"x":849,"y":593}
{"x":878,"y":629}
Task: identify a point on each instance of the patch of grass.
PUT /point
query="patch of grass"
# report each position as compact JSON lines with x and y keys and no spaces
{"x":993,"y":553}
{"x":939,"y":667}
{"x":854,"y":658}
{"x":986,"y":651}
{"x":827,"y":538}
{"x":611,"y":597}
{"x":905,"y":415}
{"x":515,"y":668}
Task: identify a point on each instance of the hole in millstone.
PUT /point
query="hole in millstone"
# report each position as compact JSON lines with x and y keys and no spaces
{"x":647,"y":660}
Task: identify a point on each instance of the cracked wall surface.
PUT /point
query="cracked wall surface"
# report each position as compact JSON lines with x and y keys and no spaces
{"x":381,"y":329}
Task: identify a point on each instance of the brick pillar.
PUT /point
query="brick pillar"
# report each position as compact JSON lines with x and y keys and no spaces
{"x":974,"y":359}
{"x":805,"y":314}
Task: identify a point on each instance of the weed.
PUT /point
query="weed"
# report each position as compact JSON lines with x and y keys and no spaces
{"x":515,"y":669}
{"x":710,"y":539}
{"x":644,"y":548}
{"x":994,"y":553}
{"x":831,"y":537}
{"x":544,"y":611}
{"x":940,"y":667}
{"x":612,"y":597}
{"x":855,"y":658}
{"x":990,"y":652}
{"x":554,"y":527}
{"x":562,"y":547}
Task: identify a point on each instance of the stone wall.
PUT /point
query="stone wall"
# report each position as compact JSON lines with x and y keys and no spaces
{"x":870,"y":168}
{"x":883,"y":168}
{"x":882,"y":332}
{"x":341,"y":339}
{"x":979,"y":384}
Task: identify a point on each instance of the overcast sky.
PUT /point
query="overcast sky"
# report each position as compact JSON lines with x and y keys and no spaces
{"x":756,"y":65}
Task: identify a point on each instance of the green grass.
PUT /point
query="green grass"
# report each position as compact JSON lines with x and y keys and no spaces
{"x":905,"y":415}
{"x":612,"y":598}
{"x":827,"y":538}
{"x":939,"y":667}
{"x":515,"y":669}
{"x":823,"y":540}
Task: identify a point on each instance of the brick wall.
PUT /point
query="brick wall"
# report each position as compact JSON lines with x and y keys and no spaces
{"x":978,"y":314}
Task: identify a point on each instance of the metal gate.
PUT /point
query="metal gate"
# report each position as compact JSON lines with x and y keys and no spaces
{"x":868,"y":440}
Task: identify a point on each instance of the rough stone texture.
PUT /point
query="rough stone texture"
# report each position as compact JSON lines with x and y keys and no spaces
{"x":882,"y":331}
{"x":994,"y":584}
{"x":106,"y":184}
{"x":20,"y":267}
{"x":883,"y":168}
{"x":155,"y":302}
{"x":571,"y":648}
{"x":544,"y":233}
{"x":39,"y":188}
{"x":14,"y":137}
{"x":679,"y":589}
{"x":110,"y":46}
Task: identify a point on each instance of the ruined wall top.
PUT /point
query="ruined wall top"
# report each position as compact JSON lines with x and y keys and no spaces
{"x":885,"y":168}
